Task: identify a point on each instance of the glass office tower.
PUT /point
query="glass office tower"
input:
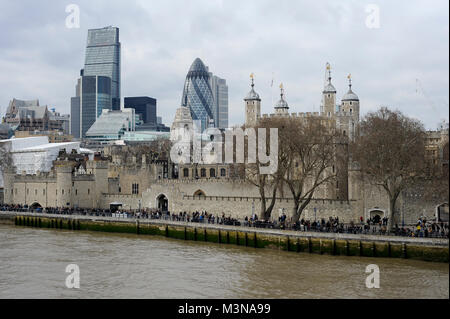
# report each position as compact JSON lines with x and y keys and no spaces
{"x":219,"y":90}
{"x":103,"y":58}
{"x":197,"y":94}
{"x":93,"y":94}
{"x":144,"y":106}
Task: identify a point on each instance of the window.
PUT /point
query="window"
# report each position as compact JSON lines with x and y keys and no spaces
{"x":89,"y":191}
{"x":76,"y":192}
{"x":120,"y":189}
{"x":223,"y":172}
{"x":212,"y":172}
{"x":62,"y":191}
{"x":203,"y":172}
{"x":35,"y":192}
{"x":135,"y":188}
{"x":351,"y":111}
{"x":43,"y":192}
{"x":28,"y":191}
{"x":185,"y":172}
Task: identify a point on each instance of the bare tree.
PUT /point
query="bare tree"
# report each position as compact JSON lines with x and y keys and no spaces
{"x":390,"y":151}
{"x":267,"y":184}
{"x":308,"y":147}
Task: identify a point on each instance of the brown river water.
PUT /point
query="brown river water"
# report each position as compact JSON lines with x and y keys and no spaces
{"x":33,"y":263}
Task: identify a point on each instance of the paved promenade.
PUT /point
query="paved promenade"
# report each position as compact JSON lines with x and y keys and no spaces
{"x":277,"y":232}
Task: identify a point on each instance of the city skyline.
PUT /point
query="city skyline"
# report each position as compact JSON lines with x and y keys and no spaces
{"x":287,"y":46}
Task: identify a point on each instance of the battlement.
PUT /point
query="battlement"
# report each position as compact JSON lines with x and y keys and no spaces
{"x":291,"y":115}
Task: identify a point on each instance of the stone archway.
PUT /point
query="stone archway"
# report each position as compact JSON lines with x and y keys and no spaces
{"x":162,"y":203}
{"x":199,"y":192}
{"x":376,"y":214}
{"x":36,"y":206}
{"x":442,"y":212}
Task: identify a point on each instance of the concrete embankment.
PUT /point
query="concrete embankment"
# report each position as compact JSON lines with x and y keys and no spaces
{"x":430,"y":249}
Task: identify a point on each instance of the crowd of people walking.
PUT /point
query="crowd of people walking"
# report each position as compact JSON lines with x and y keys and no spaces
{"x":373,"y":226}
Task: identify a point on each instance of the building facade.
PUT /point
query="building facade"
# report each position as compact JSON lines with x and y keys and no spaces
{"x":103,"y":59}
{"x":145,"y":107}
{"x":219,"y":90}
{"x":197,"y":93}
{"x":93,"y":95}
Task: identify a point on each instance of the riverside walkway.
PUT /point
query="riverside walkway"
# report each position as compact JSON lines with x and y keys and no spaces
{"x":230,"y":228}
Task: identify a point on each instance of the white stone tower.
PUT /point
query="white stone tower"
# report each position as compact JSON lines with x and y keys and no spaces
{"x":282,"y":107}
{"x":252,"y":106}
{"x":328,"y":106}
{"x":350,"y":110}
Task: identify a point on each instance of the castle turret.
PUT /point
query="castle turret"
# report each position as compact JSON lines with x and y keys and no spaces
{"x":63,"y":183}
{"x":350,"y":108}
{"x":252,"y":106}
{"x":282,"y":106}
{"x":328,"y":106}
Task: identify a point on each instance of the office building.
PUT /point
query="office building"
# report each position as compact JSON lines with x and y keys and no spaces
{"x":93,"y":95}
{"x":103,"y":58}
{"x":219,"y":90}
{"x":143,"y":106}
{"x":197,"y":94}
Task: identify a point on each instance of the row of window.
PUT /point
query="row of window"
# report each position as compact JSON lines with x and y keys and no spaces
{"x":212,"y":172}
{"x":14,"y":191}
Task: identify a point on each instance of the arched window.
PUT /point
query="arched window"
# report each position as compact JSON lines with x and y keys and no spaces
{"x":212,"y":172}
{"x":223,"y":172}
{"x":203,"y":172}
{"x":199,"y":193}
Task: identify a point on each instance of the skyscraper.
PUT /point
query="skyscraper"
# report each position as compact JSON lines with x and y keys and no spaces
{"x":103,"y":58}
{"x":93,"y":95}
{"x":197,"y":94}
{"x":144,"y":106}
{"x":219,"y":90}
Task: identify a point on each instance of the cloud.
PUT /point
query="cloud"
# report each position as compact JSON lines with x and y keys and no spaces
{"x":41,"y":58}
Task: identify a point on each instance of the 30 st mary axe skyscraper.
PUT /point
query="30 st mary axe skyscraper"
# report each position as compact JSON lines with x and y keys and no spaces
{"x":103,"y":58}
{"x":197,"y":94}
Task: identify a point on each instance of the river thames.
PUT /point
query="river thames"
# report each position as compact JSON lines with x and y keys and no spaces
{"x":33,"y":263}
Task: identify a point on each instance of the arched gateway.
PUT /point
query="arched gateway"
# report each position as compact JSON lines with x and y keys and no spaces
{"x":162,"y":202}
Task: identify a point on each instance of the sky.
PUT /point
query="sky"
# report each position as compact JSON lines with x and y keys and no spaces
{"x":398,"y":58}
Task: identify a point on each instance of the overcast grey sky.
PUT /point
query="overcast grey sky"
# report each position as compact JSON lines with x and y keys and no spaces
{"x":41,"y":58}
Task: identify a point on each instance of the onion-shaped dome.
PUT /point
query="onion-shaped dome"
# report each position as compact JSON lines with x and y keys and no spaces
{"x":282,"y":104}
{"x":252,"y":95}
{"x":329,"y":88}
{"x":350,"y":96}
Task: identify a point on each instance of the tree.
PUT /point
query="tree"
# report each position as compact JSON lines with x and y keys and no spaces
{"x":309,"y":149}
{"x":390,"y":151}
{"x":267,"y":184}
